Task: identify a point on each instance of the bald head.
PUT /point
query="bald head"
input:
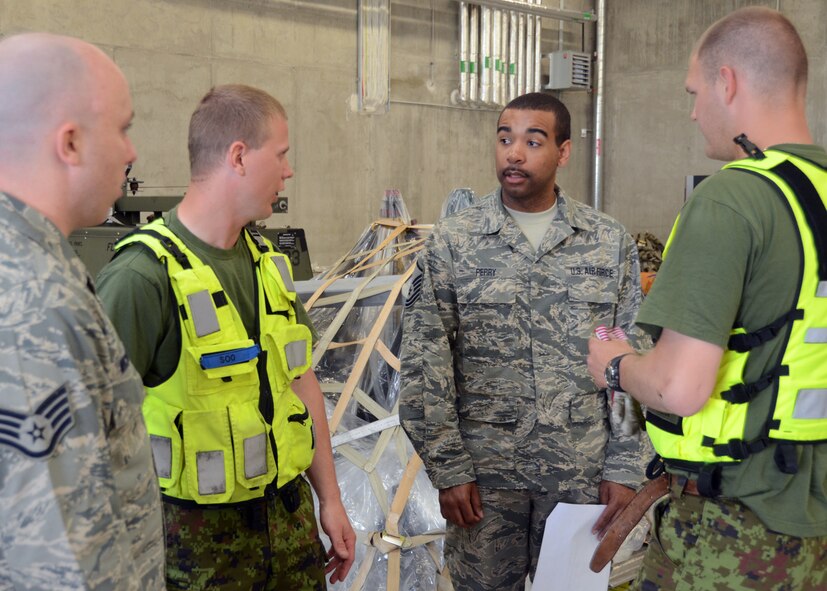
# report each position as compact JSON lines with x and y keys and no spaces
{"x":64,"y":114}
{"x":762,"y":45}
{"x":44,"y":79}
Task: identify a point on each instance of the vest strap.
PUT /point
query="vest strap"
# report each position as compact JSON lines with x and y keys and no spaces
{"x":219,"y":298}
{"x":738,"y":449}
{"x":812,"y":206}
{"x":664,"y":424}
{"x":258,"y":239}
{"x":655,"y":468}
{"x":786,"y":458}
{"x":709,"y":480}
{"x":750,"y":340}
{"x":167,"y":243}
{"x":743,"y":393}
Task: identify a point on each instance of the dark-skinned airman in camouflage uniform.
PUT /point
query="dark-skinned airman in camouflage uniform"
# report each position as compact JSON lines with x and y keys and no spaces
{"x":495,"y":393}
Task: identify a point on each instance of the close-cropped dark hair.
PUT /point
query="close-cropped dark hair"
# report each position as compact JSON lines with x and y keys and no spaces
{"x":538,"y":101}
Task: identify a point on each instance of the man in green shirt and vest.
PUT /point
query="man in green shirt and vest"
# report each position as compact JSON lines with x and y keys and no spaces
{"x":736,"y":386}
{"x":210,"y":318}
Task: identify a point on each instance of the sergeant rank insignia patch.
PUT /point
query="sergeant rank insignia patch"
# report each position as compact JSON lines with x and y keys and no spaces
{"x":37,"y":434}
{"x":415,"y":287}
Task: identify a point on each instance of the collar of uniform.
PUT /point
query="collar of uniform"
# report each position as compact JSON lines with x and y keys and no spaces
{"x":572,"y":211}
{"x":31,"y":223}
{"x":42,"y":232}
{"x":568,"y":210}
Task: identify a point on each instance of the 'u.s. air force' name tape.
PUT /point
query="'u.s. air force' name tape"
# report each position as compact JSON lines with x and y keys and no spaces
{"x":37,"y":434}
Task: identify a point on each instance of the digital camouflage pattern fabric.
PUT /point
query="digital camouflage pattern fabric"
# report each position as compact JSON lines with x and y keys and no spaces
{"x":79,"y":504}
{"x":280,"y":551}
{"x":701,"y":544}
{"x":492,"y":554}
{"x":494,"y":381}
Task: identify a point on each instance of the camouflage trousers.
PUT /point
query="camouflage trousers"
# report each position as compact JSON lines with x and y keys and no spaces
{"x":701,"y":544}
{"x":502,"y":550}
{"x":256,"y":545}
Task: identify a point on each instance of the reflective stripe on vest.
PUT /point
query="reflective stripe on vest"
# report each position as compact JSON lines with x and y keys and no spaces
{"x":798,"y":383}
{"x":226,"y":454}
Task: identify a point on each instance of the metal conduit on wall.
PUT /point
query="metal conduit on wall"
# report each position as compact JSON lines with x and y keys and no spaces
{"x":500,"y":49}
{"x":514,"y":28}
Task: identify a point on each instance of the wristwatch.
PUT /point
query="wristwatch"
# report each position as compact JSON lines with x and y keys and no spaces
{"x":612,"y":373}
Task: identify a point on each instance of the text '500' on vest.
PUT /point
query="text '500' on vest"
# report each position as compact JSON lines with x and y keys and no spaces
{"x":226,"y":423}
{"x":798,"y":381}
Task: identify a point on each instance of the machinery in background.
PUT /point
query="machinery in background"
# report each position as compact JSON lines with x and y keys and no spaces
{"x":95,"y":245}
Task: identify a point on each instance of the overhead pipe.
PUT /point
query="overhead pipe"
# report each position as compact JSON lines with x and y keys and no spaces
{"x":463,"y":53}
{"x":474,"y":36}
{"x":485,"y":55}
{"x":496,"y":57}
{"x":501,"y":50}
{"x":560,"y":30}
{"x":529,"y":49}
{"x":538,"y":57}
{"x":512,"y":56}
{"x":597,"y":199}
{"x":504,"y":51}
{"x":578,"y":16}
{"x":520,"y":54}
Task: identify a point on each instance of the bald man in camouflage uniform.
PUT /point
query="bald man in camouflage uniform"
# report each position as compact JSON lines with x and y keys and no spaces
{"x":79,"y":504}
{"x":495,"y":395}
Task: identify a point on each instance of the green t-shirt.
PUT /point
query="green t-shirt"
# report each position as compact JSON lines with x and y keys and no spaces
{"x":136,"y":294}
{"x":734,"y":260}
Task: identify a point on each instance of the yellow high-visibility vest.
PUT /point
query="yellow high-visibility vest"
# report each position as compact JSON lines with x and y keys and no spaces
{"x":226,"y":423}
{"x":715,"y":435}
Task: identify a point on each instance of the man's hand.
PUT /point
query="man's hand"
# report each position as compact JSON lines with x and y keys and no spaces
{"x":615,"y":496}
{"x":601,"y":353}
{"x":461,"y":505}
{"x":336,"y":525}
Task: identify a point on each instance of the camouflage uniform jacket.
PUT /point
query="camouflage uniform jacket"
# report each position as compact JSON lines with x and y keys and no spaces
{"x":79,"y":503}
{"x":494,"y":381}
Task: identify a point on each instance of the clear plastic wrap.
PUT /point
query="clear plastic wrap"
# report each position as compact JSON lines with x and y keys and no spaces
{"x":370,"y":469}
{"x":380,"y":251}
{"x":364,"y":505}
{"x":458,"y":199}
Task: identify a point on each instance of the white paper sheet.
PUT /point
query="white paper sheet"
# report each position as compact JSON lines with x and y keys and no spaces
{"x":568,"y":545}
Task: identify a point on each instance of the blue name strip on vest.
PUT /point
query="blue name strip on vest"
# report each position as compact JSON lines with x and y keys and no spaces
{"x":231,"y":357}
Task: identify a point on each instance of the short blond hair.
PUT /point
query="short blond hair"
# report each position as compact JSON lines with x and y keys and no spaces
{"x":227,"y":114}
{"x":760,"y":41}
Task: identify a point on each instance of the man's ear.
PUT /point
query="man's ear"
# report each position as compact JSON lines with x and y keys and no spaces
{"x":565,"y":153}
{"x":729,"y":83}
{"x":236,"y":154}
{"x":68,"y":143}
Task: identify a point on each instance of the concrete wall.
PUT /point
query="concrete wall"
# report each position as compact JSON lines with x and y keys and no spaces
{"x":651,"y":143}
{"x":305,"y":53}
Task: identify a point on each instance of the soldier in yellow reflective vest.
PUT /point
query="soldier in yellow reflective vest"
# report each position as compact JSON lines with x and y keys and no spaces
{"x":736,"y":385}
{"x":210,"y":318}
